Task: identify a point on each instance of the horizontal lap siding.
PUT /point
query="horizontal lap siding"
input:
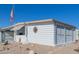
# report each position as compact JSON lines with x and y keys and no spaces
{"x":69,"y":36}
{"x":74,"y":36}
{"x":77,"y":34}
{"x":9,"y":36}
{"x":60,"y":36}
{"x":64,"y":36}
{"x":60,"y":39}
{"x":44,"y":35}
{"x":0,"y":36}
{"x":68,"y":39}
{"x":22,"y":37}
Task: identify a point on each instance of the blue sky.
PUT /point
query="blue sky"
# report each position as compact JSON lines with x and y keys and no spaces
{"x":68,"y":13}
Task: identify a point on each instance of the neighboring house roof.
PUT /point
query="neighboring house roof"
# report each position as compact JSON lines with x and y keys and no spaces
{"x":47,"y":21}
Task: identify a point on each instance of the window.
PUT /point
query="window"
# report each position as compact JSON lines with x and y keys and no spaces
{"x":21,"y":31}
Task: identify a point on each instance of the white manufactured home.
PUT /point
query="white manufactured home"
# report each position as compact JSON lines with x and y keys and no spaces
{"x":45,"y":32}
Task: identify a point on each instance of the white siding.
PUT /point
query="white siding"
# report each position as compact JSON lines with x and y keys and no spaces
{"x":77,"y":34}
{"x":44,"y":35}
{"x":9,"y":36}
{"x":60,"y":36}
{"x":64,"y":36}
{"x":18,"y":37}
{"x":74,"y":36}
{"x":22,"y":37}
{"x":69,"y":36}
{"x":0,"y":36}
{"x":60,"y":39}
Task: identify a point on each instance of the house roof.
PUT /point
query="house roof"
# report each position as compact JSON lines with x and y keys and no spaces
{"x":68,"y":26}
{"x":46,"y":21}
{"x":17,"y":27}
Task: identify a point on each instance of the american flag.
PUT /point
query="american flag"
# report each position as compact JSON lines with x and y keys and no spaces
{"x":12,"y":16}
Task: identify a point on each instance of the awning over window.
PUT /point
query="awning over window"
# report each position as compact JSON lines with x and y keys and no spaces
{"x":17,"y":27}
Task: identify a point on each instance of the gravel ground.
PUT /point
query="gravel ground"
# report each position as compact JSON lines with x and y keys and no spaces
{"x":17,"y":48}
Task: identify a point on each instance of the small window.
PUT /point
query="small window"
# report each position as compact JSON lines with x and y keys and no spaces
{"x":21,"y":34}
{"x":21,"y":31}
